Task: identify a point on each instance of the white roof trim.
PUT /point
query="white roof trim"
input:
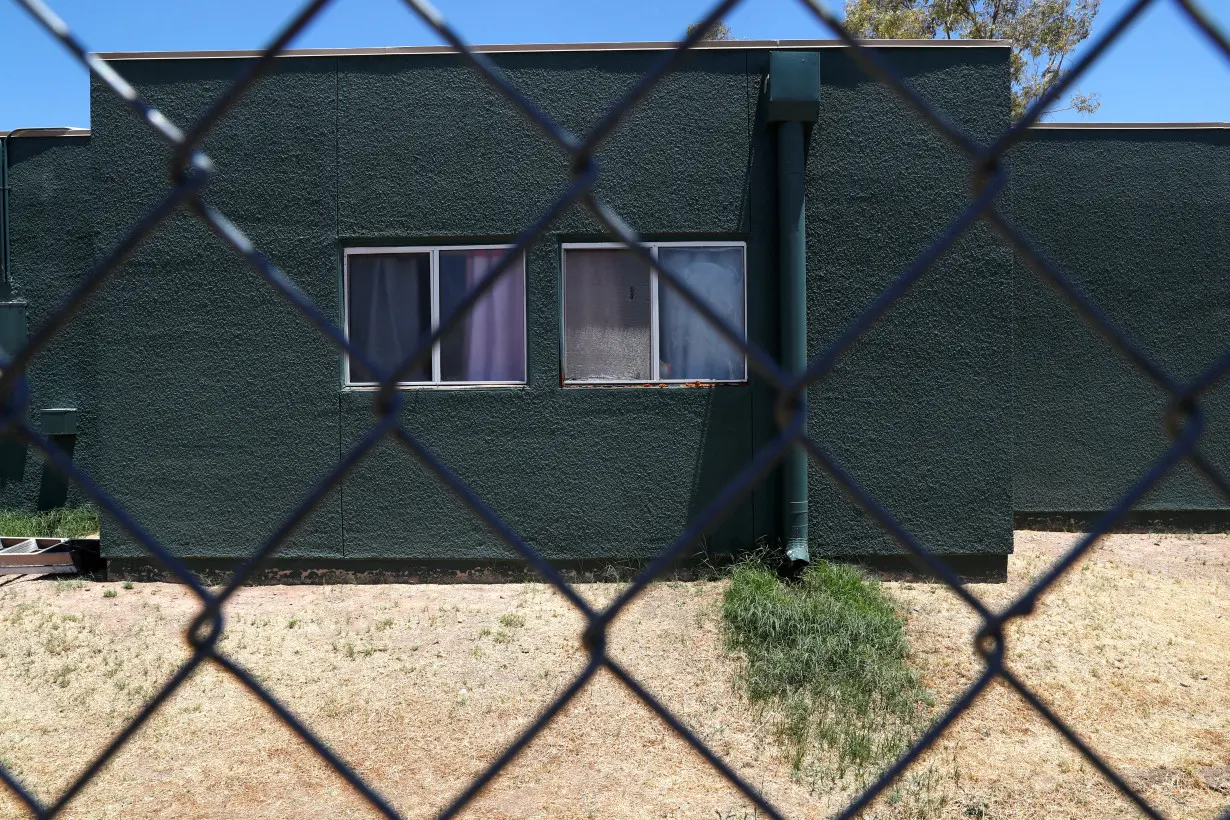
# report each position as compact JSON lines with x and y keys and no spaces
{"x":46,"y":132}
{"x":513,"y":48}
{"x":1128,"y":126}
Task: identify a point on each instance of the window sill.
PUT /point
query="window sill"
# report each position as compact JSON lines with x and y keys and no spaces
{"x":654,"y":385}
{"x":372,"y":388}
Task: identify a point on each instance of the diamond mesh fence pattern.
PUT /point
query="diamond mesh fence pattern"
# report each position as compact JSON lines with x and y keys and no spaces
{"x":190,"y":172}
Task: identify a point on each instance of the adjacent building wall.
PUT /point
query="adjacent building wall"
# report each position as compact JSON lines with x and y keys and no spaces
{"x":52,"y":247}
{"x":1139,"y":221}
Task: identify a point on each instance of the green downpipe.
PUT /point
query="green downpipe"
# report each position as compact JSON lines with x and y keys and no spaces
{"x":793,"y":260}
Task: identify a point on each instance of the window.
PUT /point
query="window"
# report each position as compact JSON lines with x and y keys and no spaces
{"x":621,"y":327}
{"x":395,"y":298}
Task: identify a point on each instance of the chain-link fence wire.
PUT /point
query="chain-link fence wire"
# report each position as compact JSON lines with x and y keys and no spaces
{"x":190,"y":172}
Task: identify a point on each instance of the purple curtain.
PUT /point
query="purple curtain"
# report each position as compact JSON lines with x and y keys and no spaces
{"x":492,"y":337}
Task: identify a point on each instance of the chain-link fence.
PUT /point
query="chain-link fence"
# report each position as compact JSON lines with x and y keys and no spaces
{"x":190,"y":172}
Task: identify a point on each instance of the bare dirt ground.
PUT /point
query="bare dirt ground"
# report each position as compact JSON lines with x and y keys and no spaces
{"x":420,"y":686}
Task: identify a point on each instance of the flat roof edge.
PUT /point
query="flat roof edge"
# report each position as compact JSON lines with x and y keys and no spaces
{"x":1128,"y":126}
{"x":1041,"y":126}
{"x":46,"y":132}
{"x":514,"y":48}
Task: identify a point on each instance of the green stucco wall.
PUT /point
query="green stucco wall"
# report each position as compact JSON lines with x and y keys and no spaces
{"x":916,"y":409}
{"x":52,"y":247}
{"x":215,"y":407}
{"x":1139,"y":221}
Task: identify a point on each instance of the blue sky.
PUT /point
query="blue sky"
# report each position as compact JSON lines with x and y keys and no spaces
{"x":1161,"y":71}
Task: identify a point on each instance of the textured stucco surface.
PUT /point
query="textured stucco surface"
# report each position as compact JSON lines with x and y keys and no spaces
{"x":429,"y":152}
{"x":1139,"y":222}
{"x":218,"y":407}
{"x":917,"y":409}
{"x":52,"y":245}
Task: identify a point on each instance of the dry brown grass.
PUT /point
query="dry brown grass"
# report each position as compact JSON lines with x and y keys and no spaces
{"x":420,"y":686}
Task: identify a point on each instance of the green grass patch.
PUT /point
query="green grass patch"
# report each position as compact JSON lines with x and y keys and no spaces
{"x":826,"y":656}
{"x":62,"y":522}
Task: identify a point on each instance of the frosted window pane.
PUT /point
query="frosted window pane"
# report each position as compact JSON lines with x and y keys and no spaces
{"x":389,"y":310}
{"x":606,"y":317}
{"x":489,"y":346}
{"x":688,"y":346}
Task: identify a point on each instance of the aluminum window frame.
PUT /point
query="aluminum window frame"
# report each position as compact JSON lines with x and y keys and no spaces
{"x":433,"y":252}
{"x":655,"y":329}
